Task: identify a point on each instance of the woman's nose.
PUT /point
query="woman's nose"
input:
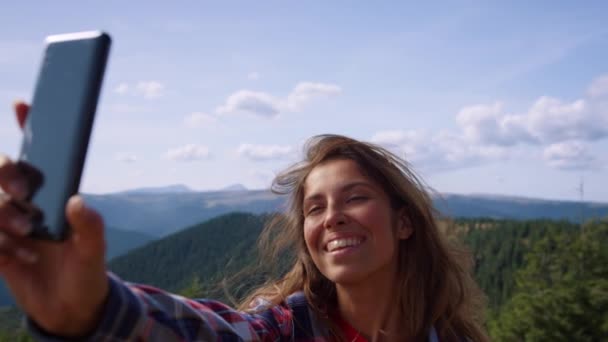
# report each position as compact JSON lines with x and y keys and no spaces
{"x":334,"y":217}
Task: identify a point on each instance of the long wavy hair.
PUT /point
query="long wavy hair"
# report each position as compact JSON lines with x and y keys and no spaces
{"x":435,"y":275}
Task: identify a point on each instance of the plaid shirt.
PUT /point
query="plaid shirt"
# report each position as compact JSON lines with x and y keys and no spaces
{"x":143,"y":313}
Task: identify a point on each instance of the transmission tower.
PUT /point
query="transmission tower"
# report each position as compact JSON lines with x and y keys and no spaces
{"x":581,"y":193}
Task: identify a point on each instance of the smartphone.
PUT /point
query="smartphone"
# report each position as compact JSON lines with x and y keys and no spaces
{"x":58,"y":127}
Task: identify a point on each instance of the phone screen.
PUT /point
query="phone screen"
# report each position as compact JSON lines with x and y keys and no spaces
{"x":59,"y":123}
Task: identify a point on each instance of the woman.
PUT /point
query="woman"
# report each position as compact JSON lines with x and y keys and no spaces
{"x":370,"y":265}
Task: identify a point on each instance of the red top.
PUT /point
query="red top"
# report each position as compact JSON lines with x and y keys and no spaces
{"x":351,"y":334}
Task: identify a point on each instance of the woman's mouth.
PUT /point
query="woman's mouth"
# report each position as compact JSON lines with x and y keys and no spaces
{"x":338,"y":244}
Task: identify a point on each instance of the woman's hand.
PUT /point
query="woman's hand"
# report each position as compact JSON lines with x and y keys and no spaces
{"x":61,"y":286}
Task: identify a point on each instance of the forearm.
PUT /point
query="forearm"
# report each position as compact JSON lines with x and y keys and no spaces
{"x":143,"y":313}
{"x":120,"y":319}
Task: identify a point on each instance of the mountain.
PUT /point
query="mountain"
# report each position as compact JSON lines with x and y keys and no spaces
{"x":208,"y":250}
{"x":176,"y":188}
{"x":235,"y":187}
{"x":119,"y":242}
{"x":162,"y":213}
{"x":518,"y":208}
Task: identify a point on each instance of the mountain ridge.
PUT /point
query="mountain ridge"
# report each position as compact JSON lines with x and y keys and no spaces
{"x":162,"y":213}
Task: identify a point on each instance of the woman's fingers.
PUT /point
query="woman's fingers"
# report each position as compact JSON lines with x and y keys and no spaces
{"x":21,"y":109}
{"x":12,"y":250}
{"x":11,"y":180}
{"x":12,"y":220}
{"x":14,"y":225}
{"x":88,"y":229}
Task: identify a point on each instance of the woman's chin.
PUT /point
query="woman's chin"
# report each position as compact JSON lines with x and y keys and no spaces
{"x":346,"y":277}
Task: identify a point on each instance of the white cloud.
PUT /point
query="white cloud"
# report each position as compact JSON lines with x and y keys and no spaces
{"x":552,"y":120}
{"x":126,"y":158}
{"x":264,"y":152}
{"x":190,"y":152}
{"x":487,"y":124}
{"x":389,"y":137}
{"x":122,"y":88}
{"x":251,"y":102}
{"x":254,"y":76}
{"x":570,"y":155}
{"x":457,"y":152}
{"x":599,"y":87}
{"x":306,"y":92}
{"x":262,"y":178}
{"x":150,"y":89}
{"x":548,"y":120}
{"x":265,"y":105}
{"x":437,"y":152}
{"x":137,"y":173}
{"x":198,"y":119}
{"x":147,"y":89}
{"x":412,"y":145}
{"x":561,"y":129}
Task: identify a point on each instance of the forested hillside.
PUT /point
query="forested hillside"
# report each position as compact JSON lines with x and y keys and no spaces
{"x":561,"y":292}
{"x":499,"y":248}
{"x":207,"y":251}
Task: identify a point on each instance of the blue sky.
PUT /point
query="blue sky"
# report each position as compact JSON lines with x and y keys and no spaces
{"x":481,"y":97}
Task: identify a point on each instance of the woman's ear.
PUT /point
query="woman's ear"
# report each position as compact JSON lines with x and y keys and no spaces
{"x":404,"y":225}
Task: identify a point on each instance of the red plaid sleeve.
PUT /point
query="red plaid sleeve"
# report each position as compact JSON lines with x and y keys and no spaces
{"x":143,"y":313}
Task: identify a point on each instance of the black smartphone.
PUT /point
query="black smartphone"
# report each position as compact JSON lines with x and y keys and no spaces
{"x":58,"y":126}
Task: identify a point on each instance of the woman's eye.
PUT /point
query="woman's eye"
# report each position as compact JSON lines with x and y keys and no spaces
{"x":313,"y":210}
{"x":357,"y":199}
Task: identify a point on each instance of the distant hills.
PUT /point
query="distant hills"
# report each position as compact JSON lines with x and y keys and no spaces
{"x":162,"y":211}
{"x":177,"y":188}
{"x":517,"y":208}
{"x":235,"y":187}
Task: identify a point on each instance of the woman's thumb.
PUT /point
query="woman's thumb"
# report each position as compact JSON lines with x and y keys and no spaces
{"x":87,"y":229}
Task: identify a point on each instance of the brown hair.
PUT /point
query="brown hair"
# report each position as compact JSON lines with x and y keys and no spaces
{"x":436,"y":284}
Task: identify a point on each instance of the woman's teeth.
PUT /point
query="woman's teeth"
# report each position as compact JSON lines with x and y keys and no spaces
{"x":342,"y":243}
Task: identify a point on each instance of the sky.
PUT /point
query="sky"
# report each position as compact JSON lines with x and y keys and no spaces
{"x":481,"y":97}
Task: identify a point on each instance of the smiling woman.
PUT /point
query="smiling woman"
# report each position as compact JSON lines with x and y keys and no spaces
{"x":350,"y":229}
{"x":369,"y":252}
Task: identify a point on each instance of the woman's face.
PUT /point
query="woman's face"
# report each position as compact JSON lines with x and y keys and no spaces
{"x":350,"y":229}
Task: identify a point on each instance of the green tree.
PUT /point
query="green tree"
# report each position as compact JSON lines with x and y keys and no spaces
{"x":19,"y":336}
{"x":562,"y":292}
{"x":499,"y":247}
{"x":196,"y":289}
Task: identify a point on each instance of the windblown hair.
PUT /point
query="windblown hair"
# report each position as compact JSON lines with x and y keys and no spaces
{"x":436,"y":287}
